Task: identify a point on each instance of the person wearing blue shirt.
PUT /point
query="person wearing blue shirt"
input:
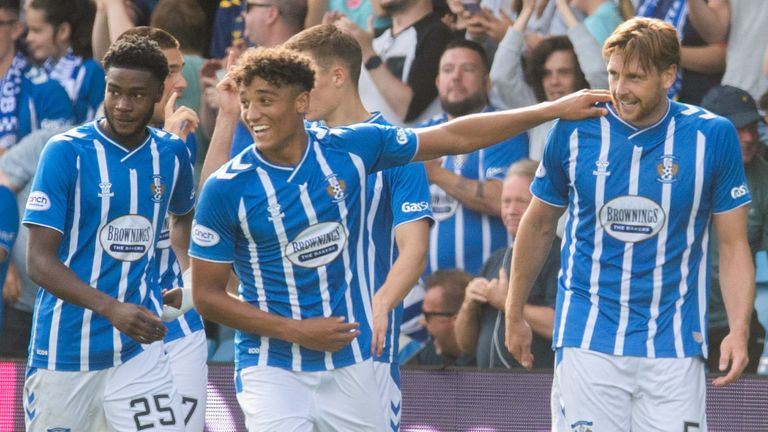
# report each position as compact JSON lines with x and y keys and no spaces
{"x":30,"y":100}
{"x":397,"y":201}
{"x":59,"y":37}
{"x":9,"y":228}
{"x":640,"y":187}
{"x":466,"y":188}
{"x":185,"y":341}
{"x":288,"y":215}
{"x":98,"y":202}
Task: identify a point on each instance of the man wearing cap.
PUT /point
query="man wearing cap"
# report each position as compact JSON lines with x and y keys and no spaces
{"x":739,"y":107}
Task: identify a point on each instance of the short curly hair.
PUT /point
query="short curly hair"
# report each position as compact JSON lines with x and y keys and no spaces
{"x":136,"y":52}
{"x":277,"y":66}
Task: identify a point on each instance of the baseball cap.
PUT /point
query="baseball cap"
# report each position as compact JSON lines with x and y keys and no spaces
{"x":732,"y":103}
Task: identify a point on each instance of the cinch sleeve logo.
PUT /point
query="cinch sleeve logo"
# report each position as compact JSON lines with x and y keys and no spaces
{"x":38,"y":201}
{"x":632,"y":218}
{"x":317,"y":245}
{"x":204,"y":236}
{"x":128,"y":237}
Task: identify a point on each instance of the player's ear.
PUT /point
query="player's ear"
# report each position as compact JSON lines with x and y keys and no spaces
{"x":302,"y":102}
{"x":339,"y":76}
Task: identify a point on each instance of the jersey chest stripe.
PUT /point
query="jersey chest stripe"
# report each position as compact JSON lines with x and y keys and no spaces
{"x":661,"y":248}
{"x":371,"y":219}
{"x":574,"y":221}
{"x":290,"y":281}
{"x":98,"y":252}
{"x":433,"y":233}
{"x":326,"y":169}
{"x":155,"y":220}
{"x":365,"y":291}
{"x":322,"y":272}
{"x":594,"y":278}
{"x":258,"y":282}
{"x":125,"y":267}
{"x":703,"y":289}
{"x":684,"y":266}
{"x":626,"y":268}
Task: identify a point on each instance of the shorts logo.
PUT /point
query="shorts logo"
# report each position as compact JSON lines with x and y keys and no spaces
{"x":409,"y":207}
{"x":582,"y":426}
{"x":667,"y":169}
{"x":402,"y":137}
{"x":631,"y":218}
{"x":317,"y":245}
{"x":157,"y":188}
{"x":127,"y":238}
{"x":105,"y":189}
{"x":38,"y":201}
{"x":739,"y":191}
{"x":204,"y":236}
{"x":336,"y":188}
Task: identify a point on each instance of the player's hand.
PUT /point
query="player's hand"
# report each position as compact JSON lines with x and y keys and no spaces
{"x":180,"y":121}
{"x":325,"y":334}
{"x":136,"y":322}
{"x":581,"y":104}
{"x":12,"y":287}
{"x":518,"y":340}
{"x":228,"y":95}
{"x":380,"y":325}
{"x":477,"y":290}
{"x":172,"y":297}
{"x":733,"y":353}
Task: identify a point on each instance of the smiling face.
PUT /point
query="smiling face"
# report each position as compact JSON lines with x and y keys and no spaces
{"x":515,"y":198}
{"x":274,"y":115}
{"x":559,"y":74}
{"x":639,"y":95}
{"x":128,"y":104}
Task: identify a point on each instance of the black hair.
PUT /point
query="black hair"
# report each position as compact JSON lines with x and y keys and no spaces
{"x":79,"y":14}
{"x":134,"y":52}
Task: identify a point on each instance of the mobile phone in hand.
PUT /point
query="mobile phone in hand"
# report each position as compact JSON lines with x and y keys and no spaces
{"x":471,"y":6}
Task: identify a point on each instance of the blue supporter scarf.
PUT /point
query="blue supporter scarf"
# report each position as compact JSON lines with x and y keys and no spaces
{"x":674,"y":12}
{"x":65,"y":72}
{"x":10,"y":87}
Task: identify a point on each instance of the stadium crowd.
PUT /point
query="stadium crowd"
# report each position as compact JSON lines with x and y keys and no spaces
{"x":323,"y":246}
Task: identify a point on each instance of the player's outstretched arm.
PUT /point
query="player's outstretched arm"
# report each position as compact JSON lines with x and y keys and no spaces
{"x":474,"y":132}
{"x":737,"y":281}
{"x":46,"y":270}
{"x":209,"y":290}
{"x":534,"y":238}
{"x":412,"y":243}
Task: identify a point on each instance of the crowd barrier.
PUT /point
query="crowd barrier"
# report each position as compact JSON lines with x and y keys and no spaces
{"x":459,"y":400}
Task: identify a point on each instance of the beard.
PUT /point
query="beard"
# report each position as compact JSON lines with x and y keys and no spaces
{"x":469,"y":105}
{"x":139,"y":128}
{"x":645,"y":112}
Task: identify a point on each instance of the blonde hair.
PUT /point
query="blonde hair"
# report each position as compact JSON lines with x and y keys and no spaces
{"x":649,"y":41}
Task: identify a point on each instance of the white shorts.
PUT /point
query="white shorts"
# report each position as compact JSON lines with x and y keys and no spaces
{"x":136,"y":395}
{"x":344,"y":399}
{"x":188,"y":359}
{"x":602,"y":392}
{"x":388,"y":379}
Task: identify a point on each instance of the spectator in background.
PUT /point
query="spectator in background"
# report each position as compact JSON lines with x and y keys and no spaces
{"x":557,"y":66}
{"x":271,"y":22}
{"x":445,"y":293}
{"x":17,"y":169}
{"x":113,"y":17}
{"x":602,"y":16}
{"x":29,"y":100}
{"x":738,"y":106}
{"x":228,"y":28}
{"x":59,"y":37}
{"x":401,"y":64}
{"x":466,"y":189}
{"x":480,"y":323}
{"x":359,"y":12}
{"x":9,"y":228}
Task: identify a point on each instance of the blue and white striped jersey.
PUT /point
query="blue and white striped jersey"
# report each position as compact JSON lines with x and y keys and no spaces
{"x":170,"y":271}
{"x":396,"y":196}
{"x":463,"y":238}
{"x":110,"y":205}
{"x":295,"y":236}
{"x":634,"y":277}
